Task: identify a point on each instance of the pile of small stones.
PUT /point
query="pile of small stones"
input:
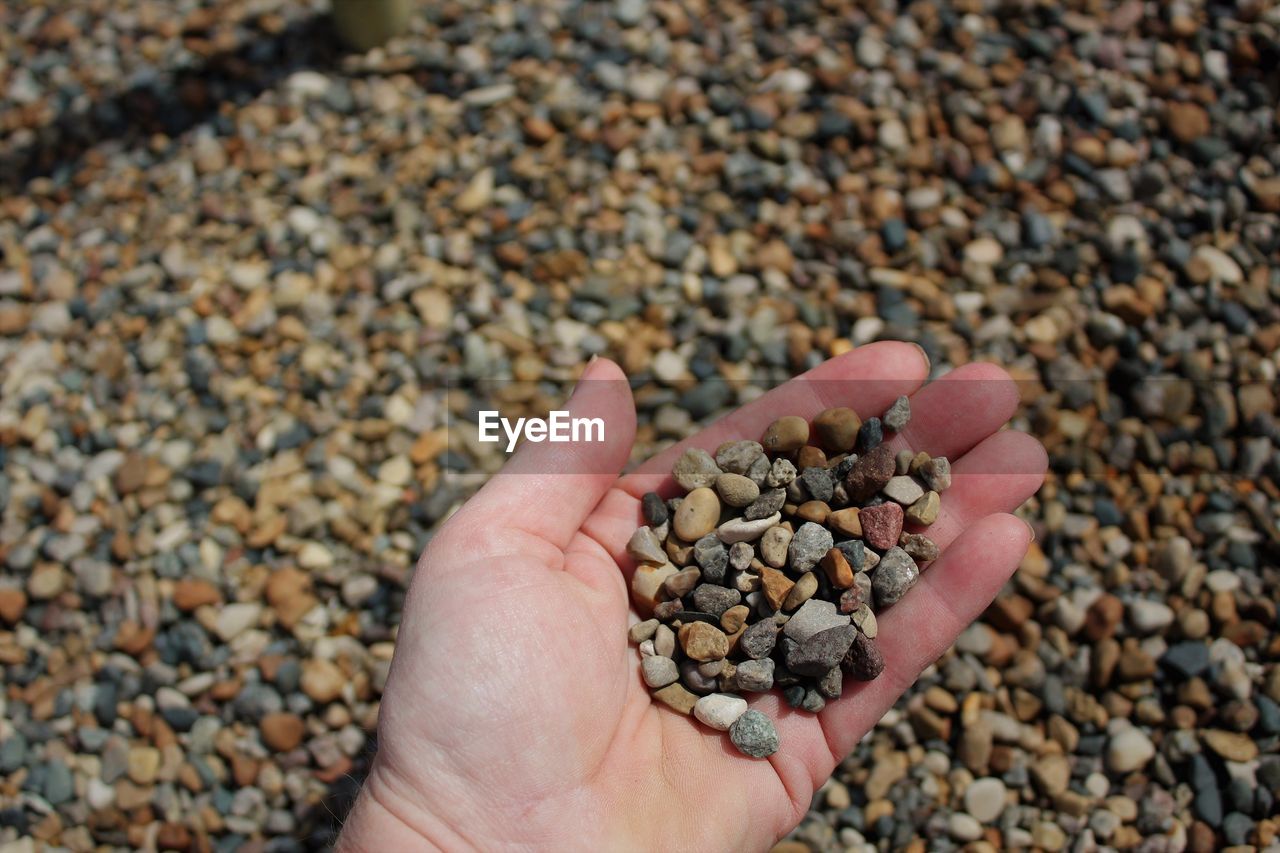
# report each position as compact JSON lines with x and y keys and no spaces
{"x":769,"y":570}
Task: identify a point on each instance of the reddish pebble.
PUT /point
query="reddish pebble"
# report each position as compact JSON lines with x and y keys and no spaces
{"x":881,"y":525}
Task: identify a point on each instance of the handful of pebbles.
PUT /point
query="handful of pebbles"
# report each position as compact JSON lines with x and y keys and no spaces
{"x":769,"y":571}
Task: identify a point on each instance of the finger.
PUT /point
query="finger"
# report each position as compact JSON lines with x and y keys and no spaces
{"x":867,"y":379}
{"x":547,"y":489}
{"x":952,"y":414}
{"x":952,"y":592}
{"x":996,"y":476}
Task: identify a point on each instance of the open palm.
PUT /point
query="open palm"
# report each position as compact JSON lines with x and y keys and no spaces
{"x":515,"y":715}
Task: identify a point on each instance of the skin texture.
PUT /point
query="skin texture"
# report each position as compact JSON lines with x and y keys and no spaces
{"x":515,"y":715}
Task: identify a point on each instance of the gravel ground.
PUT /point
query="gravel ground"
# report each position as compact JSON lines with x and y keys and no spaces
{"x":239,"y":267}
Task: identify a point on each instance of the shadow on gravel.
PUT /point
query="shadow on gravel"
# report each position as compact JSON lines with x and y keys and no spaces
{"x":172,"y":102}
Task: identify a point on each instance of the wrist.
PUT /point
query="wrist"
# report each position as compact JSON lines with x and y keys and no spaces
{"x":382,"y":819}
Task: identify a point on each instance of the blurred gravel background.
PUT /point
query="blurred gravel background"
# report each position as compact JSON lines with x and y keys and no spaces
{"x":238,"y":267}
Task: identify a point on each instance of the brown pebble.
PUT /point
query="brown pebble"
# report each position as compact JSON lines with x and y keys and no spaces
{"x":815,"y":511}
{"x":786,"y":435}
{"x":13,"y":603}
{"x":697,"y":514}
{"x":870,"y":473}
{"x":777,"y":586}
{"x":810,"y":457}
{"x":837,"y":429}
{"x":282,"y":731}
{"x":837,"y":569}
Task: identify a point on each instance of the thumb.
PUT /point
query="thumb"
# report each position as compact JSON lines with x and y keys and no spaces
{"x":548,"y":488}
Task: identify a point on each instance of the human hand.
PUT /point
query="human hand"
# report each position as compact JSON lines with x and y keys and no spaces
{"x":515,"y":714}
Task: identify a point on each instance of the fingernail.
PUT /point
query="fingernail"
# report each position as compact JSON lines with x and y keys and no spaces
{"x":1030,"y":528}
{"x":583,"y":375}
{"x":928,"y":364}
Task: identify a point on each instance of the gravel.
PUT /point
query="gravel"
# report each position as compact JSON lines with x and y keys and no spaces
{"x":240,"y":269}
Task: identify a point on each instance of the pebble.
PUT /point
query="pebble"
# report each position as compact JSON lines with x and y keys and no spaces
{"x":809,"y":544}
{"x":870,"y":473}
{"x":836,"y":430}
{"x":985,"y":799}
{"x":819,"y":238}
{"x":1129,"y":750}
{"x":695,"y":469}
{"x":754,"y":735}
{"x":720,"y":711}
{"x":786,"y":435}
{"x":738,"y":491}
{"x":659,"y":671}
{"x":897,"y":416}
{"x":697,"y":514}
{"x":881,"y":525}
{"x":896,"y":574}
{"x":905,"y":490}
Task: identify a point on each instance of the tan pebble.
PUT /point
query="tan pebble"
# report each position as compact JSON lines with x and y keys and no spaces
{"x":773,"y":546}
{"x":697,"y":514}
{"x":916,"y":461}
{"x":805,"y":587}
{"x":682,"y":582}
{"x":734,"y":618}
{"x":678,"y":551}
{"x":642,"y":631}
{"x":846,"y":521}
{"x":786,"y":435}
{"x":703,"y":642}
{"x":925,"y":511}
{"x":736,"y":490}
{"x":677,"y":698}
{"x":646,"y":586}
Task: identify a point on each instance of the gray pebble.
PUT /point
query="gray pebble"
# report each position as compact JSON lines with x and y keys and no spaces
{"x":809,"y":545}
{"x":816,"y":655}
{"x":694,"y":681}
{"x":713,"y":558}
{"x":819,"y":483}
{"x":659,"y":671}
{"x":814,"y":615}
{"x":755,"y":676}
{"x":781,"y":473}
{"x":713,"y":599}
{"x":758,"y":640}
{"x":695,"y":469}
{"x":898,"y":415}
{"x":754,"y":735}
{"x":936,"y":473}
{"x":737,"y":457}
{"x":766,"y":505}
{"x":896,"y":574}
{"x":740,"y":555}
{"x":644,"y":547}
